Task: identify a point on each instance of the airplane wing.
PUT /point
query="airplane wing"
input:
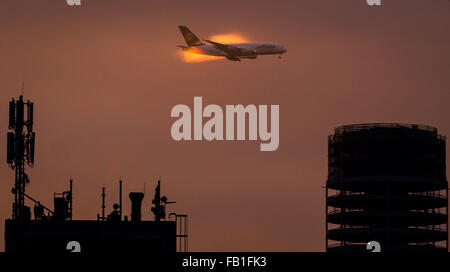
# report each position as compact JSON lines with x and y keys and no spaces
{"x":231,"y":51}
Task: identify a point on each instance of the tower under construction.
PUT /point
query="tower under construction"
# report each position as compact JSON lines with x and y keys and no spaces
{"x":386,"y":183}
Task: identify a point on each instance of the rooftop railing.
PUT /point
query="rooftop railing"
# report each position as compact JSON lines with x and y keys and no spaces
{"x":367,"y":126}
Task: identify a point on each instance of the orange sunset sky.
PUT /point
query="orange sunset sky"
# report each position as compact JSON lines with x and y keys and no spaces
{"x":105,"y":76}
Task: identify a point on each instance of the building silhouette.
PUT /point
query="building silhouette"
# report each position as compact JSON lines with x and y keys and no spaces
{"x":386,"y":183}
{"x":54,"y":230}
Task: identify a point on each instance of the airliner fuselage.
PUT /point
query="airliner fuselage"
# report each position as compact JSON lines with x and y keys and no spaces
{"x":246,"y":49}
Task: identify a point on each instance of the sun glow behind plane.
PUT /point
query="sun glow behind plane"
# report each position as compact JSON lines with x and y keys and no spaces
{"x":191,"y":56}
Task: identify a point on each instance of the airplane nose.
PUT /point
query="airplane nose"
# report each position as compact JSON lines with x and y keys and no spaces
{"x":283,"y":49}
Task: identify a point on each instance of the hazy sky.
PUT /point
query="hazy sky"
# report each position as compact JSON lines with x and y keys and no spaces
{"x":105,"y":76}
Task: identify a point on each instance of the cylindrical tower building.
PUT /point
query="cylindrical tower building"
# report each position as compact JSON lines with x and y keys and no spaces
{"x":386,"y":183}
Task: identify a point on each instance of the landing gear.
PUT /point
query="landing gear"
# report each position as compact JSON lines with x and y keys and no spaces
{"x":279,"y":56}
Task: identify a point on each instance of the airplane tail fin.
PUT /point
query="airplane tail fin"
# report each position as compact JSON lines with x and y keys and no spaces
{"x":189,"y":37}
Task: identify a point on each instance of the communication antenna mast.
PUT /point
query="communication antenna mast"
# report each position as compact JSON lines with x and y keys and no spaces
{"x":159,"y":202}
{"x":70,"y":197}
{"x":103,"y":203}
{"x":20,"y":152}
{"x":120,"y":197}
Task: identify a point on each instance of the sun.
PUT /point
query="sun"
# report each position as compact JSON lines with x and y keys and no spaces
{"x":191,"y":56}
